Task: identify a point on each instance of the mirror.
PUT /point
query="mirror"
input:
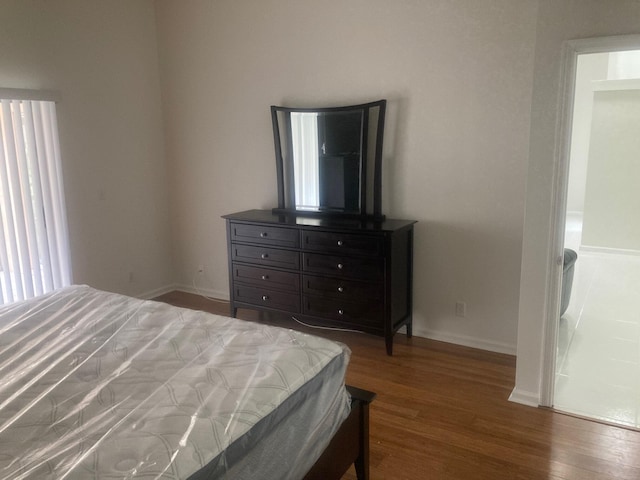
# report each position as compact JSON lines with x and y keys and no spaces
{"x":328,"y":159}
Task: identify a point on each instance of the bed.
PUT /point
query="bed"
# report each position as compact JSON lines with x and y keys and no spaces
{"x":103,"y":386}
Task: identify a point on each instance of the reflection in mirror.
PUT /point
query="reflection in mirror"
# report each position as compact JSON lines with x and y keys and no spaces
{"x":327,"y":163}
{"x":304,"y":136}
{"x":328,"y":159}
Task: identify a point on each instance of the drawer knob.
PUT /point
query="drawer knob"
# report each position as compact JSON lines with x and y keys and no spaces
{"x":340,"y":266}
{"x":263,"y":234}
{"x":264,"y":255}
{"x":340,"y":243}
{"x":341,"y":289}
{"x":340,"y":311}
{"x":265,"y":277}
{"x":265,"y":297}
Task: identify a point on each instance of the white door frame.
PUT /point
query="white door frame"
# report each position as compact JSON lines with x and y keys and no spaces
{"x":571,"y":50}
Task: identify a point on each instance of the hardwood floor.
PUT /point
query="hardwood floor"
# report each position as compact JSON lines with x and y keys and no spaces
{"x":442,"y":412}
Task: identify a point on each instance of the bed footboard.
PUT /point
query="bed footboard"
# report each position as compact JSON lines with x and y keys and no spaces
{"x":350,"y":444}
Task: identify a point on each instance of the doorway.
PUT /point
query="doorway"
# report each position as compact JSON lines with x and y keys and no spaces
{"x":597,"y":364}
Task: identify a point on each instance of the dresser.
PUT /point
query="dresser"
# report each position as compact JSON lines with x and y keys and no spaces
{"x":333,"y":272}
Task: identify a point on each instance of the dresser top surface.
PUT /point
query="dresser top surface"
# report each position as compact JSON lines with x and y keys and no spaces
{"x":355,"y":224}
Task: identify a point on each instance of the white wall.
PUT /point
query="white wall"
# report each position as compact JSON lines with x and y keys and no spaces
{"x":612,"y":199}
{"x":590,"y":67}
{"x":101,"y":59}
{"x":624,"y":65}
{"x":458,"y":79}
{"x":558,"y":21}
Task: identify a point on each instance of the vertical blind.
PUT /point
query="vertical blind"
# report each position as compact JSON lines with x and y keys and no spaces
{"x":34,"y":246}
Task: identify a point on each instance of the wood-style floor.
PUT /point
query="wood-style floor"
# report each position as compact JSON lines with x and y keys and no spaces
{"x":442,"y":412}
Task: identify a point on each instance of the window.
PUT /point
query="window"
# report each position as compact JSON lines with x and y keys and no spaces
{"x":34,"y":251}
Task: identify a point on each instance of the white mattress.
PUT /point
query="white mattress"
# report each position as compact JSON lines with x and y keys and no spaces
{"x":102,"y":386}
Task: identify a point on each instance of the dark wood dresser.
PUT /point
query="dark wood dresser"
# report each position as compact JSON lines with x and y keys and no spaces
{"x":338,"y":272}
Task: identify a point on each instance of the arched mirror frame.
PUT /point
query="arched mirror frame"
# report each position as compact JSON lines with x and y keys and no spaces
{"x":371,"y":141}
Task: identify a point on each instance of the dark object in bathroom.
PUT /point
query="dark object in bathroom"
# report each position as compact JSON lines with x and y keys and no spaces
{"x":570,"y":258}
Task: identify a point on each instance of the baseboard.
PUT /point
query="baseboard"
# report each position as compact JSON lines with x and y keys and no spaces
{"x":463,"y":340}
{"x":157,"y":292}
{"x":525,"y":398}
{"x":609,"y":251}
{"x":215,"y":294}
{"x":205,"y":292}
{"x":466,"y":341}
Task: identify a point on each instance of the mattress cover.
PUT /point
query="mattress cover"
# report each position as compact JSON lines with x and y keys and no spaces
{"x":99,"y":385}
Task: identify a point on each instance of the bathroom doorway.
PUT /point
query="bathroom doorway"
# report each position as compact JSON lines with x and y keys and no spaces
{"x":597,"y":367}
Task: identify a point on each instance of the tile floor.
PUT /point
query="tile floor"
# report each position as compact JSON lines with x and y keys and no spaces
{"x":598,"y":362}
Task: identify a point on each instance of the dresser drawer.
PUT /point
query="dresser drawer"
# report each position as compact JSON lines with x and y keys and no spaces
{"x":371,"y":269}
{"x":273,"y":257}
{"x":361,"y":313}
{"x":348,"y":290}
{"x":264,"y":297}
{"x":342,"y":243}
{"x":267,"y":278}
{"x":281,"y":237}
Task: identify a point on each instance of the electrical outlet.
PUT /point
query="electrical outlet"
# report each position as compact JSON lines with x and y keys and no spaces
{"x":201,"y":268}
{"x":461,"y":309}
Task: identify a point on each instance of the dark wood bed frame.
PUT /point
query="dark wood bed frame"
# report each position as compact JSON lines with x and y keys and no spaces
{"x":350,"y":444}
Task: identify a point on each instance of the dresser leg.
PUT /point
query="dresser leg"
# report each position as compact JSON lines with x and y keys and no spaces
{"x":410,"y":328}
{"x":234,"y":311}
{"x":389,"y":342}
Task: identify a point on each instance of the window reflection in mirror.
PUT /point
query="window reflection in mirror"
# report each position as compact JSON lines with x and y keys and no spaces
{"x":327,"y":160}
{"x":304,"y":137}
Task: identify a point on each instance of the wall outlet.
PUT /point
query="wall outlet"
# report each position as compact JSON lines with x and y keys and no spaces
{"x":200,"y":268}
{"x":461,"y":309}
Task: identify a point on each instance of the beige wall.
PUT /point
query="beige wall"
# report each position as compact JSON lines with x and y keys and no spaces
{"x":558,"y":21}
{"x":458,"y":78}
{"x":100,"y":58}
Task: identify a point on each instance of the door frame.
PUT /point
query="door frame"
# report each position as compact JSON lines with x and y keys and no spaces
{"x":571,"y":50}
